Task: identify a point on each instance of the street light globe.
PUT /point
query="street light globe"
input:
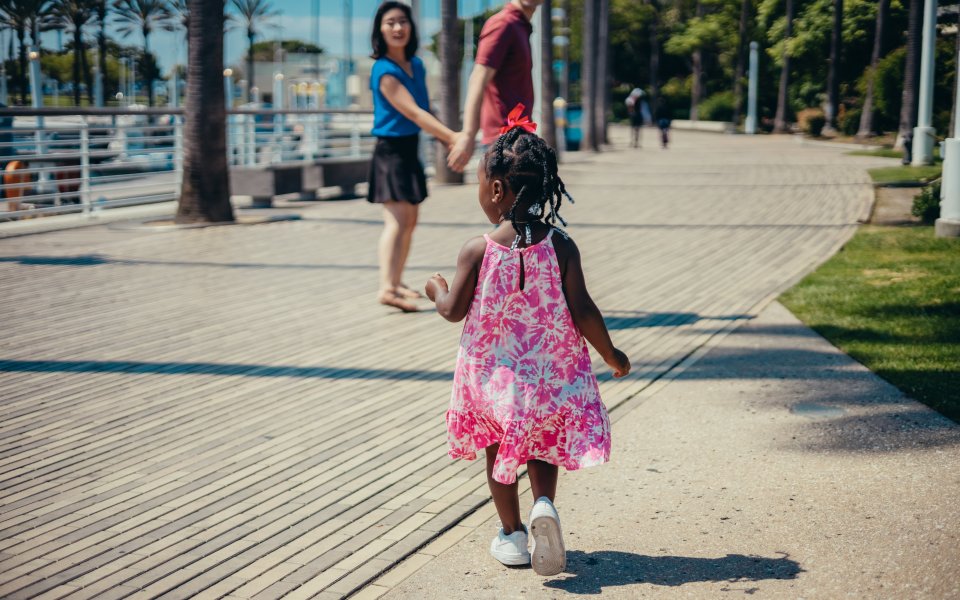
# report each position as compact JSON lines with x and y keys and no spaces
{"x":278,"y":77}
{"x":34,"y":55}
{"x":228,"y":72}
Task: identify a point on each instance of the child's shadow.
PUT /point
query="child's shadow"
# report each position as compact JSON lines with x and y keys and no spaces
{"x":596,"y":570}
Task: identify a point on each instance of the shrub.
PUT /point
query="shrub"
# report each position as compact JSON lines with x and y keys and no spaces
{"x":926,"y":205}
{"x":811,"y":121}
{"x":849,"y":121}
{"x":718,"y":107}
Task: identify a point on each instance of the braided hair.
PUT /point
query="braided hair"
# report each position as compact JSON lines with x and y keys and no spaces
{"x":529,"y":166}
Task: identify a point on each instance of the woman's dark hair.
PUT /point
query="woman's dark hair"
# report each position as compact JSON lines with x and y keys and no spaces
{"x":376,"y":38}
{"x":529,"y":166}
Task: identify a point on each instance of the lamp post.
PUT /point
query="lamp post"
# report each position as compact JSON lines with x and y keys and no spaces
{"x":750,"y":127}
{"x":36,"y":89}
{"x":924,"y":133}
{"x":228,"y":87}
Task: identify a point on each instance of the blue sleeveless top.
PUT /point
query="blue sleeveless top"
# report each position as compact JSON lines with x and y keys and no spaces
{"x":387,"y":120}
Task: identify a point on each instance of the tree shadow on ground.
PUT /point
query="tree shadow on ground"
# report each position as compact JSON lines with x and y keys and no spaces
{"x":593,"y":571}
{"x":633,"y":319}
{"x":220,"y":369}
{"x":96,"y":260}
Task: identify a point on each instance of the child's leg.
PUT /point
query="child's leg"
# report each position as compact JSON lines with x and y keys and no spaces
{"x":543,"y":479}
{"x":504,"y":496}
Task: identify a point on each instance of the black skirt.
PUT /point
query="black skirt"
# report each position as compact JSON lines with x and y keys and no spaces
{"x":396,"y":172}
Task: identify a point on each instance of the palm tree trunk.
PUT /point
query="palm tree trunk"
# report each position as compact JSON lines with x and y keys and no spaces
{"x":603,"y":71}
{"x":866,"y":115}
{"x":22,"y":75}
{"x":77,"y":50}
{"x":548,"y":87}
{"x":911,"y":73}
{"x":696,"y":88}
{"x":205,"y":193}
{"x":102,"y":52}
{"x":655,"y":62}
{"x":87,"y":76}
{"x":250,"y":36}
{"x":588,"y":77}
{"x":148,"y":67}
{"x":833,"y":75}
{"x":450,"y":60}
{"x":780,"y":119}
{"x":738,"y":71}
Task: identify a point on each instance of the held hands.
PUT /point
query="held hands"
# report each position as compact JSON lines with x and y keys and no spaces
{"x":435,"y":285}
{"x":619,"y":363}
{"x":460,"y":152}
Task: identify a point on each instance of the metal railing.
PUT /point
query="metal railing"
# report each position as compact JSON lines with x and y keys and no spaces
{"x":58,"y":161}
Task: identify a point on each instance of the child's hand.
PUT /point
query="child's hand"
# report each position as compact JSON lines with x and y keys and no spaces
{"x":435,"y":284}
{"x":619,"y":363}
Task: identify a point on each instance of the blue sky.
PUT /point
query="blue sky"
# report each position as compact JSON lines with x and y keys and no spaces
{"x":295,"y":22}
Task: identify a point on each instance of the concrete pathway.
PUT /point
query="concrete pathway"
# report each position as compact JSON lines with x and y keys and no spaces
{"x":226,"y":411}
{"x":774,"y":466}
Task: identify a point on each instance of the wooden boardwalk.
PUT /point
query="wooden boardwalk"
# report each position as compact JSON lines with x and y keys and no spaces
{"x":225,"y":412}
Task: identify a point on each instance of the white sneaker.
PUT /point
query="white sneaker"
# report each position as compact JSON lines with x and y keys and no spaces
{"x":548,"y":556}
{"x":511,"y":549}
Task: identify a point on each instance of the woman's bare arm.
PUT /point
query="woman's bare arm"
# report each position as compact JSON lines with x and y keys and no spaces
{"x":403,"y":101}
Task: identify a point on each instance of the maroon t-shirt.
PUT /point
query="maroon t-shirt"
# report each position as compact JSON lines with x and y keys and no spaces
{"x":505,"y":46}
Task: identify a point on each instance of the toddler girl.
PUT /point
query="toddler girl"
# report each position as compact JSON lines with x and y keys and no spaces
{"x":523,"y":390}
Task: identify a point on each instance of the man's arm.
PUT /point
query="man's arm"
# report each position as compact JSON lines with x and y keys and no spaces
{"x":462,"y":148}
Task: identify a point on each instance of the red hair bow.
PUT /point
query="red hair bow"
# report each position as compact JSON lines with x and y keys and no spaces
{"x":516,"y":118}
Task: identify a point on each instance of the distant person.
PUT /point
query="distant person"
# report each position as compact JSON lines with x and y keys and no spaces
{"x":400,"y":110}
{"x":524,"y":391}
{"x":502,"y":78}
{"x":663,"y":123}
{"x":639,"y":113}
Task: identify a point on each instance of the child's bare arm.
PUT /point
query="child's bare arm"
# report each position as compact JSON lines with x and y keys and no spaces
{"x":454,"y":302}
{"x":586,"y":315}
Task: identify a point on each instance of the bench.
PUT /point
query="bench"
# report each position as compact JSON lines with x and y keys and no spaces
{"x":262,"y":182}
{"x":344,"y":172}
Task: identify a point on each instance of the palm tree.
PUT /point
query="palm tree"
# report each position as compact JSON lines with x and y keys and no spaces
{"x":23,"y":16}
{"x":780,"y":119}
{"x":833,"y":75}
{"x":451,"y":54}
{"x":254,"y":14}
{"x":12,"y":17}
{"x":603,"y":88}
{"x":101,"y":9}
{"x":144,"y":16}
{"x":205,"y":193}
{"x":911,"y":73}
{"x":548,"y":88}
{"x":696,"y":87}
{"x":866,"y":116}
{"x":654,"y":33}
{"x":745,"y":6}
{"x":74,"y":15}
{"x":588,"y":76}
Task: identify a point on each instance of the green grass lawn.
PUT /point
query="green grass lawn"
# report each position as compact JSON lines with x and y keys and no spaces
{"x":924,"y":174}
{"x":891,"y":300}
{"x":884,"y":152}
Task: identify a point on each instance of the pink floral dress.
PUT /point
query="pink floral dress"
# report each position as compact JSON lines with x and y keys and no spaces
{"x":523,"y":378}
